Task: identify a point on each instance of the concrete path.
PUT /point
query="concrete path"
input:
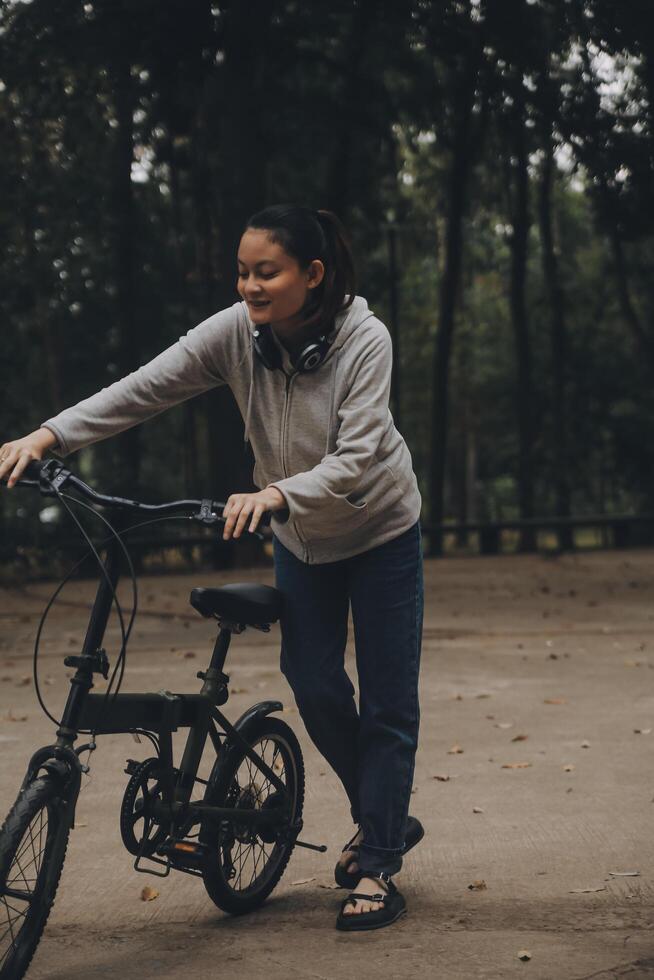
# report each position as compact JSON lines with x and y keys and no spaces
{"x":542,"y":665}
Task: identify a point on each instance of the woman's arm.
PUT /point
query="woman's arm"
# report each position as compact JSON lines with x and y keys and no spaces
{"x":202,"y":359}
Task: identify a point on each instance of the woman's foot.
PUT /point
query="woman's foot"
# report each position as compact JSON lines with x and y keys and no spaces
{"x":379,"y":905}
{"x":367,"y":886}
{"x":346,"y":859}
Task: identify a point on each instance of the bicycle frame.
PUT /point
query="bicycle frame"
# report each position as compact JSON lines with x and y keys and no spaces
{"x":162,"y":714}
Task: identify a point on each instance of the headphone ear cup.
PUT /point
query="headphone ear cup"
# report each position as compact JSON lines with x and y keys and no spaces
{"x":312,"y":355}
{"x":265,"y":348}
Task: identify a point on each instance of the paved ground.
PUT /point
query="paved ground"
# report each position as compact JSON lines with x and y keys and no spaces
{"x":558,"y":651}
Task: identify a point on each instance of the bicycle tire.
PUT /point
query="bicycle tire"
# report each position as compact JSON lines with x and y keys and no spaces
{"x":226,"y":789}
{"x":21,"y":835}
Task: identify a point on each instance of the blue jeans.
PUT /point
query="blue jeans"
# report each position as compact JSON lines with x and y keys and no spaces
{"x":372,"y":750}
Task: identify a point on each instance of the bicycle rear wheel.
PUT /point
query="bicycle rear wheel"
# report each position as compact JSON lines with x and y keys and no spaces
{"x":33,"y":841}
{"x":245,"y":864}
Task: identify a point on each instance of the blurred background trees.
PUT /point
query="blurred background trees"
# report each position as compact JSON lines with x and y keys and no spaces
{"x":494,"y":162}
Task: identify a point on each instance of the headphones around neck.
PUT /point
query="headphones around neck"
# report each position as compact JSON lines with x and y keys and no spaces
{"x":310,"y":357}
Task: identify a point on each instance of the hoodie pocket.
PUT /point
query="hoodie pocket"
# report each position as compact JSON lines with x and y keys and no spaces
{"x":339,"y":517}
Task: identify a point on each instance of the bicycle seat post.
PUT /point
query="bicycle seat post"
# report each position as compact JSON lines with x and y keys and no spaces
{"x":215,"y":681}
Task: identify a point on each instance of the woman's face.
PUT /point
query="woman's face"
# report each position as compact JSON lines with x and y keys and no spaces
{"x":271,"y":281}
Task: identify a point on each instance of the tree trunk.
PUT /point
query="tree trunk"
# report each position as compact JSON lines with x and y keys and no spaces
{"x":517,"y":300}
{"x":129,"y":350}
{"x":463,"y":156}
{"x":348,"y":120}
{"x":558,"y":344}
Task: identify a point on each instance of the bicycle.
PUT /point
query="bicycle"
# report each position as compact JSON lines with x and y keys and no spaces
{"x":251,"y":813}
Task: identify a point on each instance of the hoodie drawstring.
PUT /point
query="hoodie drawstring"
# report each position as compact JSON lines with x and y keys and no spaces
{"x":332,"y":396}
{"x":249,"y":408}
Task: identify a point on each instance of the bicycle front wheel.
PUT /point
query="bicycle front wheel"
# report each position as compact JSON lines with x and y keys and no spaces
{"x":245,"y":865}
{"x":33,"y":841}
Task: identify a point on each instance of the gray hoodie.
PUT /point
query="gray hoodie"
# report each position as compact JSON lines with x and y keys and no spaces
{"x":325,"y":439}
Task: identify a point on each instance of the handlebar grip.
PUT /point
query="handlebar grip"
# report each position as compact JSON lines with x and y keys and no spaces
{"x":33,"y":469}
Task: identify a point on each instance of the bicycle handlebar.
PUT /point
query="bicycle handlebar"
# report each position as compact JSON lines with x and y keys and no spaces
{"x":50,"y":475}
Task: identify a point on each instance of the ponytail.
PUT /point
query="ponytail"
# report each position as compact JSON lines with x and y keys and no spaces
{"x":307,"y":235}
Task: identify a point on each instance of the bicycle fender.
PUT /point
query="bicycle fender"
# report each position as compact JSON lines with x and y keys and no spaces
{"x":257,"y":711}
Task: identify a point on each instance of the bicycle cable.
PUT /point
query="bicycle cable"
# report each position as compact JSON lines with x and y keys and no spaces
{"x":115,"y":601}
{"x":124,"y":634}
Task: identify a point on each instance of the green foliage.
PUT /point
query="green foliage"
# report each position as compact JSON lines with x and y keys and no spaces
{"x":137,"y":138}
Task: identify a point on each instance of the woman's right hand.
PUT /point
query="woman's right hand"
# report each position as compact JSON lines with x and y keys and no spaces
{"x":15,"y":455}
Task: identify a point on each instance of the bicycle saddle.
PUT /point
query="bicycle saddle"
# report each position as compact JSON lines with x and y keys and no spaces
{"x":254,"y":605}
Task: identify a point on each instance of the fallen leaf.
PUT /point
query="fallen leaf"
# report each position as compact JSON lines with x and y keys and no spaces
{"x":642,"y":731}
{"x":478,"y":885}
{"x":148,"y":894}
{"x":504,"y":724}
{"x":442,"y":778}
{"x":456,"y":697}
{"x":585,"y":744}
{"x":303,"y":881}
{"x":585,"y":891}
{"x":24,"y":681}
{"x":189,"y":655}
{"x":455,"y":750}
{"x":519,"y":738}
{"x":524,"y":955}
{"x":238,"y":690}
{"x":568,"y":767}
{"x":477,"y":809}
{"x":555,"y":701}
{"x":515,"y":765}
{"x":482,"y":695}
{"x":624,"y":874}
{"x":12,"y":717}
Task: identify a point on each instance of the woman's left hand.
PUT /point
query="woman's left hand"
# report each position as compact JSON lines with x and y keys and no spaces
{"x":243,"y":507}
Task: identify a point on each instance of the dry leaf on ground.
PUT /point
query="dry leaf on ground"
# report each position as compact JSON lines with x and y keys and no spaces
{"x":519,"y":738}
{"x":478,"y":885}
{"x":442,"y":778}
{"x":624,"y":874}
{"x":524,"y":955}
{"x":477,"y":809}
{"x":569,"y":767}
{"x":515,"y":765}
{"x":455,"y":750}
{"x":148,"y":894}
{"x":585,"y":891}
{"x":303,"y":881}
{"x":555,"y":701}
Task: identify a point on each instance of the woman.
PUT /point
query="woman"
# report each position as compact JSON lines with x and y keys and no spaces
{"x":310,"y":365}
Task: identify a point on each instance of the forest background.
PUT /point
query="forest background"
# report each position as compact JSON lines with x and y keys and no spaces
{"x":494,"y":162}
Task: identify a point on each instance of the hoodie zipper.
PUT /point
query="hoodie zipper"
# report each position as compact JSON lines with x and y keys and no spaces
{"x":289,"y":378}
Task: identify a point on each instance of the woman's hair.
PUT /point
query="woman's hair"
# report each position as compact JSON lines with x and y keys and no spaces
{"x":307,"y":235}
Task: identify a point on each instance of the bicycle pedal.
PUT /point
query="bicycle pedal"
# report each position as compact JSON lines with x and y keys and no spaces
{"x":184,"y":853}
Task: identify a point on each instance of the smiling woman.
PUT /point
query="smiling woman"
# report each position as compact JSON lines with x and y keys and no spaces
{"x":310,"y":365}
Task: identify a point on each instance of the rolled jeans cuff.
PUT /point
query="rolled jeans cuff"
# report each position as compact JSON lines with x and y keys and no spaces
{"x":376,"y":859}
